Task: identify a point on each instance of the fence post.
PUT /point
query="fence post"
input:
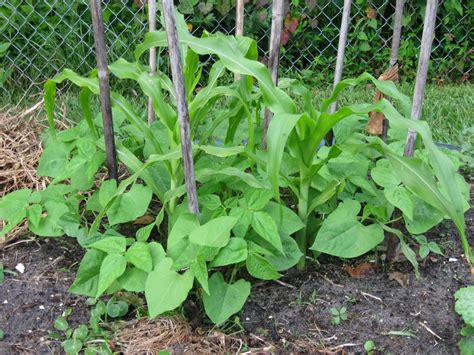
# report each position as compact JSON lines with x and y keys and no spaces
{"x":273,"y":58}
{"x":422,"y":72}
{"x":151,"y":28}
{"x":397,"y":32}
{"x":105,"y":104}
{"x":183,"y":113}
{"x":239,"y":24}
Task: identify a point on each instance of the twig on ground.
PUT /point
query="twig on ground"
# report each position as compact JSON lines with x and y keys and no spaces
{"x":429,"y":330}
{"x":365,"y":294}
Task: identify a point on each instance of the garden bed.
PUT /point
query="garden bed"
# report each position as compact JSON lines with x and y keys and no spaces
{"x":291,"y":315}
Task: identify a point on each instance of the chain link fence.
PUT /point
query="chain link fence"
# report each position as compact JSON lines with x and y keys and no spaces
{"x":39,"y":38}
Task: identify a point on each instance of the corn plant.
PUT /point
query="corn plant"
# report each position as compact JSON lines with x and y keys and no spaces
{"x":345,"y":195}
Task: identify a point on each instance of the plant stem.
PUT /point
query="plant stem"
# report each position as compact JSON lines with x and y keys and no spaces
{"x":301,"y":237}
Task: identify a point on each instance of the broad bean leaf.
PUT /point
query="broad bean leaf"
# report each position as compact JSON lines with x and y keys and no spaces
{"x":165,"y":289}
{"x":287,"y":221}
{"x":260,"y":268}
{"x":215,"y":233}
{"x":290,"y":258}
{"x":234,"y":252}
{"x":113,"y":266}
{"x":133,"y":280}
{"x":110,"y":244}
{"x":264,"y":225}
{"x":87,"y":277}
{"x":344,"y":236}
{"x":139,"y":255}
{"x":224,"y":299}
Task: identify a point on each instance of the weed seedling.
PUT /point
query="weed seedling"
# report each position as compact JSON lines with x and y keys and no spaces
{"x":369,"y":346}
{"x":427,"y":247}
{"x":338,"y":315}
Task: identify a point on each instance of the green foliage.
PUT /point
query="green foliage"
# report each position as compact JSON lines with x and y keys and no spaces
{"x":260,"y":209}
{"x":464,"y":306}
{"x":338,"y":315}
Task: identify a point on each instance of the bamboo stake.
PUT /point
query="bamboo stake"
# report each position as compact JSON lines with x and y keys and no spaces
{"x":341,"y":48}
{"x":151,"y":28}
{"x":105,"y":104}
{"x":183,"y":113}
{"x":397,"y":31}
{"x":274,"y":57}
{"x":239,"y":24}
{"x":422,"y":72}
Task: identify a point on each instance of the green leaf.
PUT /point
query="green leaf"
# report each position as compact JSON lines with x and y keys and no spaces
{"x":384,"y":176}
{"x":203,"y":174}
{"x":244,"y":219}
{"x":139,"y":255}
{"x":110,"y":244}
{"x":215,"y":233}
{"x":133,"y":280}
{"x":409,"y":254}
{"x":224,"y":299}
{"x":258,"y":199}
{"x":287,"y":221}
{"x":290,"y":258}
{"x":179,"y":248}
{"x":344,"y":236}
{"x":199,"y":270}
{"x":165,"y":289}
{"x":61,"y":324}
{"x":234,"y":252}
{"x":130,"y":205}
{"x":264,"y":225}
{"x":113,"y":266}
{"x":434,"y":247}
{"x":259,"y":267}
{"x":143,"y":233}
{"x":425,"y":217}
{"x":424,"y":251}
{"x":72,"y":346}
{"x":87,"y":277}
{"x":465,"y":304}
{"x":54,"y":159}
{"x":401,"y":198}
{"x":157,"y":252}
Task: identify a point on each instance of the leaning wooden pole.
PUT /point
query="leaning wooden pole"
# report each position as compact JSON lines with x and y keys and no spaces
{"x":183,"y":113}
{"x":239,"y":24}
{"x":422,"y":72}
{"x":341,"y":49}
{"x":273,"y":58}
{"x":151,"y":28}
{"x":105,"y":103}
{"x":397,"y":32}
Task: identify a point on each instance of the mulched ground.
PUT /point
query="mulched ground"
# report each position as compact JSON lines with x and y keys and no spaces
{"x":290,"y":316}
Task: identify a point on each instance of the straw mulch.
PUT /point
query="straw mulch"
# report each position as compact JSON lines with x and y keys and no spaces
{"x":20,"y":150}
{"x":149,"y":336}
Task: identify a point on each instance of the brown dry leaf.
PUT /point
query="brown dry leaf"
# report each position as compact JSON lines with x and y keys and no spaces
{"x":375,"y":125}
{"x":401,"y":278}
{"x":145,"y":219}
{"x":360,"y":271}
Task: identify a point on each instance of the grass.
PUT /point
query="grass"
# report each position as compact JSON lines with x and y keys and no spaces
{"x":448,"y":109}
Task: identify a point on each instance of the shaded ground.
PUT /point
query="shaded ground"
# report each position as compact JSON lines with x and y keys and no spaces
{"x":291,"y":316}
{"x":30,"y":302}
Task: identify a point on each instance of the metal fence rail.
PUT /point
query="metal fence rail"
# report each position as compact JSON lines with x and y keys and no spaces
{"x":40,"y":38}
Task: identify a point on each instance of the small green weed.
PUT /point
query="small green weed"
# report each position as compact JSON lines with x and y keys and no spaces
{"x":338,"y":315}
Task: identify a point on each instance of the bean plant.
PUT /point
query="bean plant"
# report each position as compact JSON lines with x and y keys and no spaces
{"x":262,"y":211}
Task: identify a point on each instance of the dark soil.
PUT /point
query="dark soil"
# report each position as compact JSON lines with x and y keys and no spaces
{"x":292,"y":316}
{"x":30,"y":302}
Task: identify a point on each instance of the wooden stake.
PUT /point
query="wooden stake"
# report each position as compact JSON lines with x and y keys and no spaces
{"x":183,"y":113}
{"x":397,"y":31}
{"x":422,"y":72}
{"x":341,"y":48}
{"x":151,"y":28}
{"x":274,"y":57}
{"x":239,"y":24}
{"x":105,"y":104}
